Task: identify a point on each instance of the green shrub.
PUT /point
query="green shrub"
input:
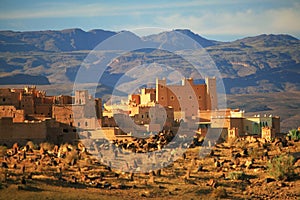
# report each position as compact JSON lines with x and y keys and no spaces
{"x":281,"y":167}
{"x":256,"y":153}
{"x":236,"y":175}
{"x":294,"y":134}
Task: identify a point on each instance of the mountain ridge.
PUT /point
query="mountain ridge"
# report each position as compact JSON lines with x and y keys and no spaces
{"x":262,"y":63}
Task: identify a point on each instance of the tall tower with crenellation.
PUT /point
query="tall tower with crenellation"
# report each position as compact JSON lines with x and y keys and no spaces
{"x":81,"y":97}
{"x":212,"y":98}
{"x":161,"y":92}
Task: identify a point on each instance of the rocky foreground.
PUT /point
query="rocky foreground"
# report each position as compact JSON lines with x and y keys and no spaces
{"x":240,"y":169}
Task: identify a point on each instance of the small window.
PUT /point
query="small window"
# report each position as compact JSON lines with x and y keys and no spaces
{"x":190,"y":97}
{"x":86,"y":124}
{"x":200,"y":97}
{"x":3,"y":99}
{"x":172,"y":98}
{"x":78,"y":124}
{"x":162,"y":98}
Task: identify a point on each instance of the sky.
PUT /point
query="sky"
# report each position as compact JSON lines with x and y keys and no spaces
{"x":223,"y":20}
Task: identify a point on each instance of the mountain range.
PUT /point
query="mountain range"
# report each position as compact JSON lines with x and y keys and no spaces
{"x":263,"y":63}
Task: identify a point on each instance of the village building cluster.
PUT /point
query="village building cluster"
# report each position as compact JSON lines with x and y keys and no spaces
{"x":29,"y":114}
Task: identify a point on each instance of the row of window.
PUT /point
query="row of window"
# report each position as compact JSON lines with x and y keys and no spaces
{"x":147,"y":116}
{"x":79,"y":124}
{"x":173,"y":98}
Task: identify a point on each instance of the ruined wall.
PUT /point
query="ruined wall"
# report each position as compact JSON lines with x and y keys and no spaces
{"x":155,"y":115}
{"x":11,"y":111}
{"x":63,"y":114}
{"x":134,"y":99}
{"x":267,"y":133}
{"x":147,"y":95}
{"x":10,"y":97}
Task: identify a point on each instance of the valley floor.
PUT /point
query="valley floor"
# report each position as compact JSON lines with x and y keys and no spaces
{"x":225,"y":173}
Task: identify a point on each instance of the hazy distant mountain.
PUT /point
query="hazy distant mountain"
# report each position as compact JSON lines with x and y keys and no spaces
{"x":264,"y":63}
{"x":179,"y":39}
{"x":65,"y":40}
{"x":24,"y":79}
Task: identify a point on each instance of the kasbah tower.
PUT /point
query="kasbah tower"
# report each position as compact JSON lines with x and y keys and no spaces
{"x":183,"y":97}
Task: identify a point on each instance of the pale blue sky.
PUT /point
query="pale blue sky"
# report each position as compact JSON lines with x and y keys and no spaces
{"x":220,"y":20}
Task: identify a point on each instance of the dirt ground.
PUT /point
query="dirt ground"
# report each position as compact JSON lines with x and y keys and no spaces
{"x":189,"y":177}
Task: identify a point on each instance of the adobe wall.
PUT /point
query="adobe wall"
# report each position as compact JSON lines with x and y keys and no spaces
{"x":147,"y":95}
{"x":9,"y":97}
{"x":212,"y":98}
{"x":37,"y":132}
{"x":11,"y":111}
{"x":134,"y":99}
{"x":87,"y":123}
{"x":276,"y":124}
{"x":21,"y":132}
{"x":44,"y":109}
{"x":237,"y":123}
{"x":183,"y":97}
{"x":267,"y":133}
{"x":208,"y":114}
{"x":108,"y":122}
{"x":155,"y":115}
{"x":27,"y":104}
{"x":63,"y":114}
